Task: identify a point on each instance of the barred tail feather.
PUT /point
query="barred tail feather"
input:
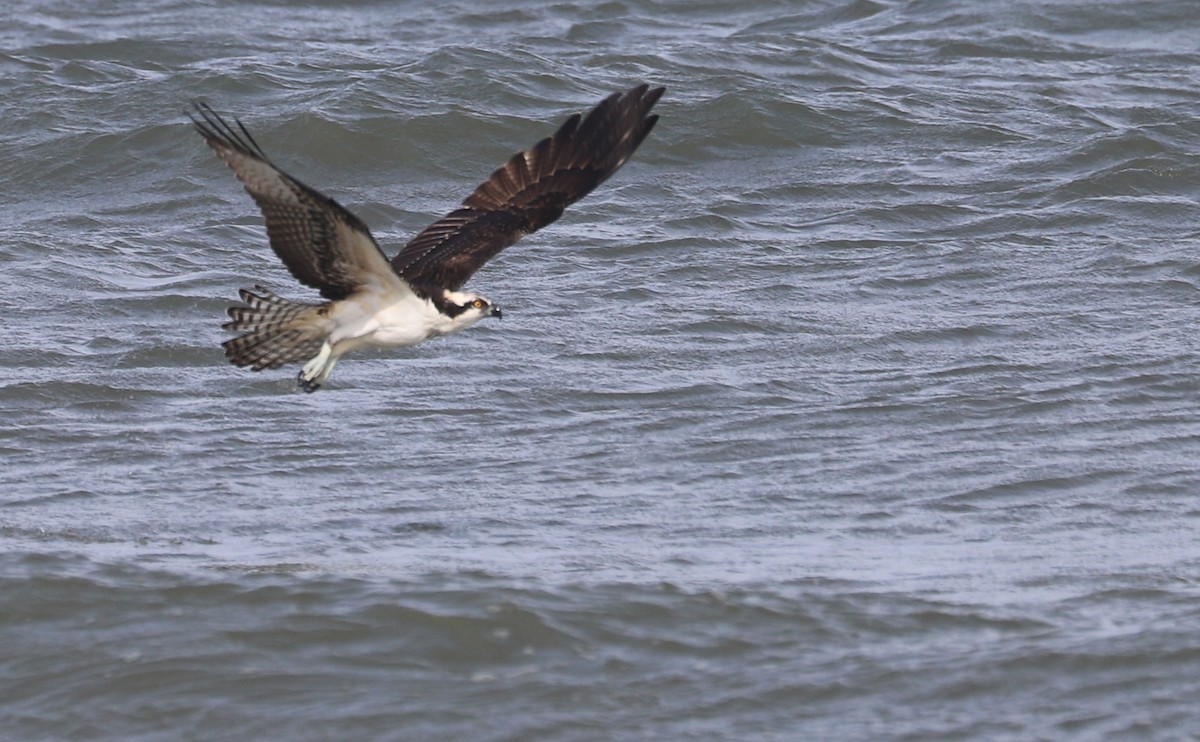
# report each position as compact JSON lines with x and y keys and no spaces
{"x":277,"y":330}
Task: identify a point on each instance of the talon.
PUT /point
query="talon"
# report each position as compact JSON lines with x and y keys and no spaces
{"x":316,"y":371}
{"x":308,"y":385}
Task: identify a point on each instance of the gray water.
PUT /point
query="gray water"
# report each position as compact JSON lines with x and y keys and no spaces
{"x":861,"y":404}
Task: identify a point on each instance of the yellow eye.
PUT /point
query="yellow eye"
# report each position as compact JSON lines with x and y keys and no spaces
{"x":479,"y":304}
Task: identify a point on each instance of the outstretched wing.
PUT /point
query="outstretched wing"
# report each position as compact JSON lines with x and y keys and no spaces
{"x":529,"y":191}
{"x":322,"y":244}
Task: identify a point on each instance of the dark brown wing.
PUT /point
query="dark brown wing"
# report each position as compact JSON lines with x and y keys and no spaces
{"x":529,"y":191}
{"x":321,"y":243}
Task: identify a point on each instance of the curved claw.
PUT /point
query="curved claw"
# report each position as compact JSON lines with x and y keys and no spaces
{"x":308,"y":385}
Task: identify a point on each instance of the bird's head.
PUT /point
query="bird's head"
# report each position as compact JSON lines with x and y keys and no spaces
{"x":465,"y":308}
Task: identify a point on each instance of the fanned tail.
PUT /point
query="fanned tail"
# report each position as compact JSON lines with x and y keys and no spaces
{"x":277,"y":330}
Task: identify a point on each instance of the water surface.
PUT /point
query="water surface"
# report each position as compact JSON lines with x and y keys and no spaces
{"x":859,"y":405}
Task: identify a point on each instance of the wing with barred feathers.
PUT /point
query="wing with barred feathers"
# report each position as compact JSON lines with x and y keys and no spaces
{"x":322,"y":244}
{"x":529,"y":191}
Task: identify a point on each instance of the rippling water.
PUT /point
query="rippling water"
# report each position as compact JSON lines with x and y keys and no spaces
{"x":861,"y":404}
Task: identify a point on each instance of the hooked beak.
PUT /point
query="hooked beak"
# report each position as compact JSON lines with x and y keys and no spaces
{"x":497,"y":313}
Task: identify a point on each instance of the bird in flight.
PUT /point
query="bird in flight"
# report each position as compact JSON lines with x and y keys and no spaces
{"x":371,"y":302}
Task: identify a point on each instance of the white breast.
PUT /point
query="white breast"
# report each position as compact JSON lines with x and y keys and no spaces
{"x":391,"y":319}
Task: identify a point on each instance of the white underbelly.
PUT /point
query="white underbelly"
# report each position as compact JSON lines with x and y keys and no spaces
{"x":373,"y":322}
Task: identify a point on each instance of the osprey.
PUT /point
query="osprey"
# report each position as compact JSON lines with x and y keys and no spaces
{"x":372,"y":302}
